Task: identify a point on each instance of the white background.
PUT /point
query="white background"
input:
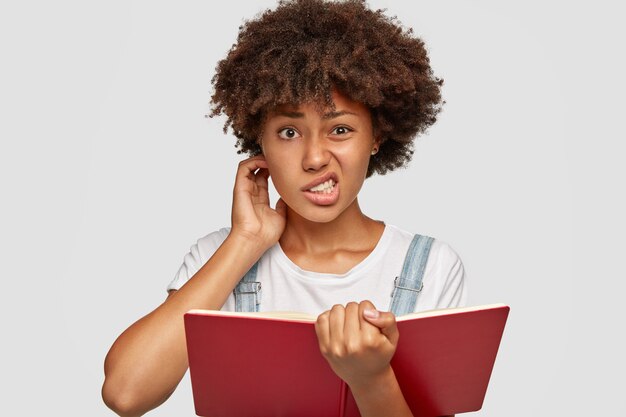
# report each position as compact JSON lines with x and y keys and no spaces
{"x":109,"y":172}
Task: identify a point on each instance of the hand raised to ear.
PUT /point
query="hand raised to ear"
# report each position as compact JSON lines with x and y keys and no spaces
{"x":251,"y":216}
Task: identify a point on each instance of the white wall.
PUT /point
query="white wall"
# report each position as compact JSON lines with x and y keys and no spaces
{"x":109,"y":172}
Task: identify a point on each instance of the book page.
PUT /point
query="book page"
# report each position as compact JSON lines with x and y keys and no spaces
{"x":280,"y":315}
{"x":299,"y":316}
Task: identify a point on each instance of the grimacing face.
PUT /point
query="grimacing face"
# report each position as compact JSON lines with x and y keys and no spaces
{"x":318,"y":161}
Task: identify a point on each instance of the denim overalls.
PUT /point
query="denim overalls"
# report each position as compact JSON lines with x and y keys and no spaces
{"x":406,"y":287}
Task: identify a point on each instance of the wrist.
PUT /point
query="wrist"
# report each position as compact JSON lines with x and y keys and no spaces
{"x":247,"y":245}
{"x":384,"y":379}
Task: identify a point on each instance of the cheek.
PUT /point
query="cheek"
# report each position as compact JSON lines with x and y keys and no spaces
{"x":354,"y":162}
{"x":280,"y":174}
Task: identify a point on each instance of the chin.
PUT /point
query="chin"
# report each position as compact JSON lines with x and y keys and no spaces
{"x":320,"y":214}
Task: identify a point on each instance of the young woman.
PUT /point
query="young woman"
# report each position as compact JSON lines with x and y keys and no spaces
{"x":321,"y":95}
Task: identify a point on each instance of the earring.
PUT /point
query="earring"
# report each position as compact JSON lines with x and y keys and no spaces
{"x":374,"y":151}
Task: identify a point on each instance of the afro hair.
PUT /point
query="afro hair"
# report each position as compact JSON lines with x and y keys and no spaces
{"x":302,"y":50}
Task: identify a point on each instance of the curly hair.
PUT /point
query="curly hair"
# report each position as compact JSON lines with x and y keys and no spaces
{"x":302,"y":50}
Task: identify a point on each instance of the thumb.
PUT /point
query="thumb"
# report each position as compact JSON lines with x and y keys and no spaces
{"x":385,"y":321}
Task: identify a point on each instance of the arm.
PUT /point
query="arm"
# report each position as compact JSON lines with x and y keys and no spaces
{"x":380,"y":396}
{"x":148,"y":360}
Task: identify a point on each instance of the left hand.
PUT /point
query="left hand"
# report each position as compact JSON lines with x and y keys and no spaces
{"x":357,"y":346}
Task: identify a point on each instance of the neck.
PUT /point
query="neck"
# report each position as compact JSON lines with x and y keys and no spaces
{"x":351,"y":229}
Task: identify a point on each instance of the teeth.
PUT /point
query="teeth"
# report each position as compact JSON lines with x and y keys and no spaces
{"x":325,"y":187}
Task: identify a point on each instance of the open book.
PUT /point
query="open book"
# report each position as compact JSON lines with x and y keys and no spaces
{"x":269,"y":364}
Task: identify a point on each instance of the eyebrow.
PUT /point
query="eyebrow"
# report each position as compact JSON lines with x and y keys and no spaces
{"x":290,"y":114}
{"x":325,"y":116}
{"x":335,"y":114}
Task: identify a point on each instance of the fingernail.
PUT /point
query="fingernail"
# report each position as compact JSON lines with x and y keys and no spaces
{"x":372,"y":314}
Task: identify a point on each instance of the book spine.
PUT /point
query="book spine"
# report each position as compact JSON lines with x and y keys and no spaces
{"x":343,"y":397}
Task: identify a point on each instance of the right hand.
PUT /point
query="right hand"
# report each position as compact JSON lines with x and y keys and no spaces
{"x":252,"y":217}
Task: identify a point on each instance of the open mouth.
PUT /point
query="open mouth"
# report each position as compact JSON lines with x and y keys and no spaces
{"x":324,"y":188}
{"x":323,"y":194}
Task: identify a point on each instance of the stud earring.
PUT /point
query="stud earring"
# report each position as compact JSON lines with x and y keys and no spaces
{"x":374,"y":151}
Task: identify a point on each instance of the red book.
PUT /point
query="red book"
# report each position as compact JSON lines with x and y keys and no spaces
{"x":269,"y":364}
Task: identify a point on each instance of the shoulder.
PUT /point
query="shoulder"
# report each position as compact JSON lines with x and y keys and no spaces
{"x":199,"y":253}
{"x":440,"y":251}
{"x":205,"y":247}
{"x":443,"y":254}
{"x":214,"y":239}
{"x":444,"y":274}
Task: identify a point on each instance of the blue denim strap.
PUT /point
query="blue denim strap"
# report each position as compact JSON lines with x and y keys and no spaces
{"x":407,"y":286}
{"x":248,"y":292}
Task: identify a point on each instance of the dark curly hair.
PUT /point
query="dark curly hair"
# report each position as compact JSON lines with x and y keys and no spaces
{"x":303,"y":49}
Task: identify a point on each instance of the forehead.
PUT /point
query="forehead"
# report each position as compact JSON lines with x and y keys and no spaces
{"x":342,"y":105}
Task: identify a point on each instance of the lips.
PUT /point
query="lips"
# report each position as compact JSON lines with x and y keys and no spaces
{"x":322,"y":198}
{"x":321,"y":180}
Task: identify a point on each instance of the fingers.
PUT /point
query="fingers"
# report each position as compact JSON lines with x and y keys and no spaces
{"x":383,"y":320}
{"x":337,"y":318}
{"x":354,"y":348}
{"x":262,"y":190}
{"x":323,"y":331}
{"x":255,"y":169}
{"x":332,"y":326}
{"x":352,"y":322}
{"x":251,"y":179}
{"x":249,"y":166}
{"x":348,"y":328}
{"x":254,"y":162}
{"x":261,"y":177}
{"x":352,"y":331}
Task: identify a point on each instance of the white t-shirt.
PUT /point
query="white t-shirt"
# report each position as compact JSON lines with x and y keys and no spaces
{"x":287,"y":287}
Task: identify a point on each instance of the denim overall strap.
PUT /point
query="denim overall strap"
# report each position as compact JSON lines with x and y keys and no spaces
{"x":407,"y":286}
{"x":248,"y":292}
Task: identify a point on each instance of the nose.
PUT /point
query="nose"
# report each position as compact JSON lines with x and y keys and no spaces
{"x":316,"y":155}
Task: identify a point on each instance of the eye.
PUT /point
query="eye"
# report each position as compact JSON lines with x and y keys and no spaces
{"x":288,"y":133}
{"x":341,"y":130}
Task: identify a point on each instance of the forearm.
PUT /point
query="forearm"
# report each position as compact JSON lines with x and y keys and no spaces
{"x":381,"y":396}
{"x":148,"y":360}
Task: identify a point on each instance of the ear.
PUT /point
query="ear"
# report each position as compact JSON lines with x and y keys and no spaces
{"x":375,"y":146}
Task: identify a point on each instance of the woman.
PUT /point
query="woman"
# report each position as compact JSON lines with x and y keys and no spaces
{"x":321,"y":95}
